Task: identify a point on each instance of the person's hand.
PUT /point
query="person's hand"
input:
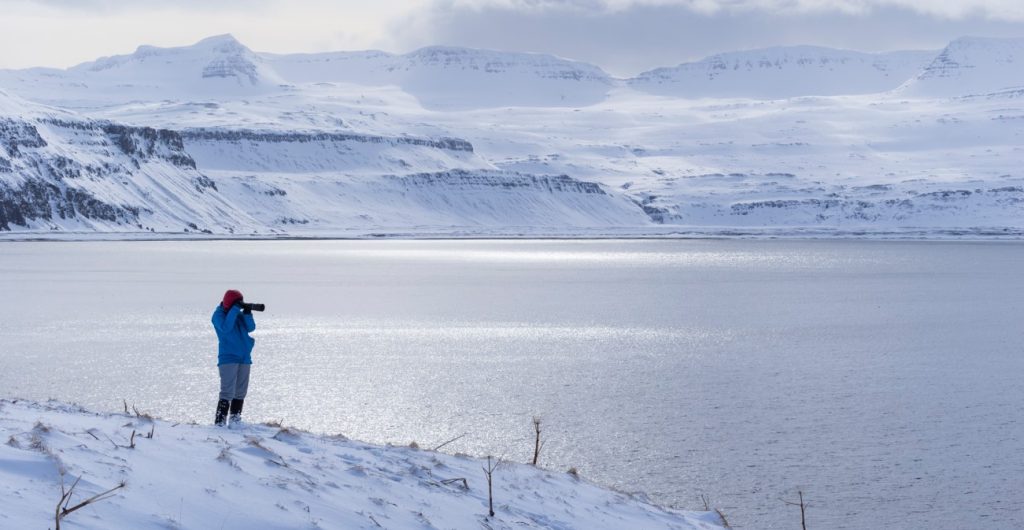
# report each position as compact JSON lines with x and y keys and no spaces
{"x":247,"y":310}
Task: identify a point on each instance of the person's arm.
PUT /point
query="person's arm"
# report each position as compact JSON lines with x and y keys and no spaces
{"x":228,"y":322}
{"x":250,"y":323}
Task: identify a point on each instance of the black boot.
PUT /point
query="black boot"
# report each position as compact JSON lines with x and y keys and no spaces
{"x":222,"y":412}
{"x":236,"y":410}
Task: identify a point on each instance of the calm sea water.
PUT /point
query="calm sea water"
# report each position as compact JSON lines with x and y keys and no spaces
{"x":883,"y":379}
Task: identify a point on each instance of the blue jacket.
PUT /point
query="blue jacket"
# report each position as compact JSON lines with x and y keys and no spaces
{"x":233,"y":327}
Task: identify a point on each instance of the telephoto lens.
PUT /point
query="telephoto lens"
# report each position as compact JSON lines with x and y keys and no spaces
{"x":254,"y":307}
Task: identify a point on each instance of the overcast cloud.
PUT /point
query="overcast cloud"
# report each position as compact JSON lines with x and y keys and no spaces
{"x":623,"y":36}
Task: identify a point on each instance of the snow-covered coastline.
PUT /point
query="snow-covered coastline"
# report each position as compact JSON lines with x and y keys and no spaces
{"x":197,"y":476}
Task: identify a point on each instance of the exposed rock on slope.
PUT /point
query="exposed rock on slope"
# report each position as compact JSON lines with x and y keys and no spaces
{"x":63,"y":172}
{"x":971,"y":66}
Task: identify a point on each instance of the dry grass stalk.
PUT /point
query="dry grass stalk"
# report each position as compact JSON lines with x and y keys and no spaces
{"x":450,"y":441}
{"x":62,"y":509}
{"x":721,"y":516}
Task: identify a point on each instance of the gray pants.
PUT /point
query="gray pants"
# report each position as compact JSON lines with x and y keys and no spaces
{"x":234,"y":381}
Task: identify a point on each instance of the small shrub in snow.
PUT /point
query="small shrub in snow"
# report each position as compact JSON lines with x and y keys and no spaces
{"x":284,"y":434}
{"x":225,"y":456}
{"x":492,"y":466}
{"x":537,"y":445}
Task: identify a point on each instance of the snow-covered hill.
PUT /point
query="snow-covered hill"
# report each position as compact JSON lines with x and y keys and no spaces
{"x":785,"y":72}
{"x":971,"y":66}
{"x":195,"y":476}
{"x":60,"y":171}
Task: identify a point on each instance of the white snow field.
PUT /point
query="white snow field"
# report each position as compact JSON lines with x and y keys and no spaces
{"x":199,"y":476}
{"x":217,"y":138}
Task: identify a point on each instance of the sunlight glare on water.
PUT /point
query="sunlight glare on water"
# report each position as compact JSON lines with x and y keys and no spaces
{"x":880,"y":378}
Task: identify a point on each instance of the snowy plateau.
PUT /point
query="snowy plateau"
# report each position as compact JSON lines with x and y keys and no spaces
{"x":272,"y":477}
{"x":216,"y":140}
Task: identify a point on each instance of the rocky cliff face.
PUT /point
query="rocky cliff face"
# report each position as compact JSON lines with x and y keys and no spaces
{"x":459,"y":200}
{"x":348,"y":153}
{"x":41,"y":187}
{"x":302,"y":137}
{"x":61,"y":172}
{"x":790,"y":201}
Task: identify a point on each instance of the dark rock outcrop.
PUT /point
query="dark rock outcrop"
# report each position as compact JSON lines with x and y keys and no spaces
{"x":237,"y":135}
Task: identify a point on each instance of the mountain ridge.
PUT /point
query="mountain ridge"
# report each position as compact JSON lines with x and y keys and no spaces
{"x":458,"y":78}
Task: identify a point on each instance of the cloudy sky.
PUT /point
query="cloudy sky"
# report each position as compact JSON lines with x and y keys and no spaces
{"x":623,"y":36}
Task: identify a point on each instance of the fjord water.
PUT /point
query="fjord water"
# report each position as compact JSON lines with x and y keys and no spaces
{"x":883,"y":379}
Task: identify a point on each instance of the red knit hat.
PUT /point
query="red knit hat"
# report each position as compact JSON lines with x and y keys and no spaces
{"x":230,"y":298}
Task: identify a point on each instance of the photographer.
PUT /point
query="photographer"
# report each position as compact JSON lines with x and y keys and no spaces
{"x":233,"y":321}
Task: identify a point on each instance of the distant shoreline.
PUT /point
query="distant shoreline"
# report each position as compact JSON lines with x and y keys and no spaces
{"x":956,"y":234}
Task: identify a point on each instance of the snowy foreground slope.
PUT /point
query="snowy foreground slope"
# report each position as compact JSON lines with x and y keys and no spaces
{"x":217,"y":139}
{"x":199,"y":476}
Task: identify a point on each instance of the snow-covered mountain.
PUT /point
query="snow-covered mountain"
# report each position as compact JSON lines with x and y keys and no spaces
{"x":221,"y":68}
{"x":217,"y":65}
{"x":785,"y":72}
{"x":215,"y":68}
{"x":217,"y":137}
{"x":444,"y":77}
{"x":971,"y":66}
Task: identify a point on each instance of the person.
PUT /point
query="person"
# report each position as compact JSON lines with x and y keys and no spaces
{"x":233,"y":322}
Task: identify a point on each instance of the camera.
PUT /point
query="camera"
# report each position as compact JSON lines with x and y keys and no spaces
{"x":253,"y":307}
